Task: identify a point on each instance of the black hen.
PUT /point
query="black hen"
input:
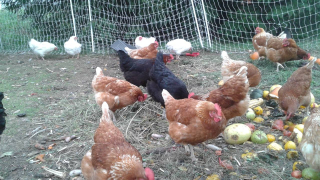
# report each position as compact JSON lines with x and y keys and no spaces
{"x":135,"y":71}
{"x":162,"y":78}
{"x":2,"y":114}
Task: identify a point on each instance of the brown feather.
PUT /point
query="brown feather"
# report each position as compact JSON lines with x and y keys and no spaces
{"x":111,"y":156}
{"x":189,"y":121}
{"x":296,"y":91}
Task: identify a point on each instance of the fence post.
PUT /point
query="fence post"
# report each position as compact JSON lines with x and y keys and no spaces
{"x":92,"y":42}
{"x":195,"y":17}
{"x":73,"y":20}
{"x":205,"y":20}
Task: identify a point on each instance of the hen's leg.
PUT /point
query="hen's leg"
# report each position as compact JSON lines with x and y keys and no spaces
{"x":278,"y":64}
{"x":193,"y":157}
{"x":186,"y":147}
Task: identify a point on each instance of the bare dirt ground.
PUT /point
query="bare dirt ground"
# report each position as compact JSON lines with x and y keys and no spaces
{"x":57,"y":98}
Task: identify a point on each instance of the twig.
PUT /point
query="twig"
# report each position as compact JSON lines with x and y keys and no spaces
{"x":276,"y":174}
{"x":35,"y":130}
{"x":146,"y":129}
{"x":6,"y":70}
{"x":57,"y":173}
{"x":132,"y":119}
{"x":62,"y":149}
{"x":37,"y":133}
{"x":236,"y":160}
{"x":49,"y":70}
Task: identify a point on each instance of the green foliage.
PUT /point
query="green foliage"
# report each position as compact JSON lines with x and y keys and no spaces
{"x":236,"y":20}
{"x":229,"y":21}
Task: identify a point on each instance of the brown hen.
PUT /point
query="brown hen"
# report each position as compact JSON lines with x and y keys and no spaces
{"x":117,"y":93}
{"x":281,"y":51}
{"x":231,"y":67}
{"x":193,"y":121}
{"x":112,"y":157}
{"x":260,"y":39}
{"x":232,"y":96}
{"x":296,"y":91}
{"x":148,"y":52}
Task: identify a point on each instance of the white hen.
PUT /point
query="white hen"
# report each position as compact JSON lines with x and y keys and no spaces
{"x":178,"y":46}
{"x":142,"y":42}
{"x":72,"y":47}
{"x":41,"y":48}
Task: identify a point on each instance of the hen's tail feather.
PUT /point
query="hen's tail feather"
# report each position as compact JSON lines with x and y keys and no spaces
{"x":311,"y":63}
{"x":99,"y":71}
{"x":166,"y":95}
{"x":225,"y":56}
{"x":105,"y":112}
{"x":242,"y":71}
{"x":128,"y":49}
{"x":116,"y":100}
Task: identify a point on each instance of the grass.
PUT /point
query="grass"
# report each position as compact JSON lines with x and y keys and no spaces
{"x":14,"y":32}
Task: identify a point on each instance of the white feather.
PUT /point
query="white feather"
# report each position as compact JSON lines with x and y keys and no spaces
{"x":72,"y":47}
{"x":178,"y":46}
{"x":41,"y":48}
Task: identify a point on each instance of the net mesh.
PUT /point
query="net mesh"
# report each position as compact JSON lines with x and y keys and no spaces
{"x":213,"y":25}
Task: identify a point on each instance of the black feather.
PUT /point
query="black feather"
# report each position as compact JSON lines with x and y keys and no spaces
{"x":162,"y":78}
{"x":136,"y":71}
{"x":2,"y":114}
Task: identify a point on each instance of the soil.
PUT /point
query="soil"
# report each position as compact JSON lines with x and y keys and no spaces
{"x":57,"y":98}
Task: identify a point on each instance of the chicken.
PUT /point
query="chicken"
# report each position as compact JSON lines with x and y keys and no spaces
{"x":310,"y":143}
{"x":259,"y":40}
{"x":2,"y":114}
{"x":232,"y":96}
{"x":296,"y":91}
{"x":280,"y":51}
{"x":41,"y":48}
{"x":137,"y":71}
{"x":193,"y":121}
{"x":72,"y":47}
{"x":148,"y":52}
{"x":111,"y":156}
{"x":178,"y":46}
{"x":162,"y":78}
{"x":229,"y":68}
{"x":117,"y":93}
{"x":286,"y":33}
{"x":142,"y":42}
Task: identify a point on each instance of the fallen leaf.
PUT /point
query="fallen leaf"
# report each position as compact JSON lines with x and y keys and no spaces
{"x":182,"y":168}
{"x":51,"y":146}
{"x":39,"y":146}
{"x":226,"y":164}
{"x":40,"y":157}
{"x":218,"y":153}
{"x":213,"y":177}
{"x":197,"y":178}
{"x":249,"y":156}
